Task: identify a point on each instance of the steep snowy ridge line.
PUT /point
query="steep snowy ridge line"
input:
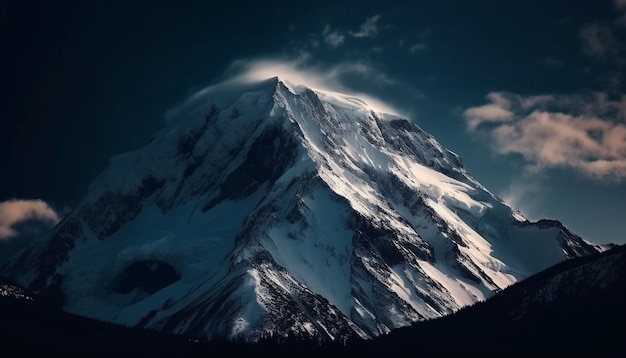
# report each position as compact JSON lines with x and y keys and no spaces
{"x":281,"y":209}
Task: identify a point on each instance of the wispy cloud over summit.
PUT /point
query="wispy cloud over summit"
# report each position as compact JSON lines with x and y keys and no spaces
{"x":298,"y":71}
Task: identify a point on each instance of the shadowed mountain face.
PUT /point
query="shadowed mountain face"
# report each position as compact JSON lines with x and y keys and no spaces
{"x":277,"y":209}
{"x":575,"y":308}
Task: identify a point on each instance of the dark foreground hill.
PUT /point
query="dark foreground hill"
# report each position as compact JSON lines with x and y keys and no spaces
{"x":574,"y":308}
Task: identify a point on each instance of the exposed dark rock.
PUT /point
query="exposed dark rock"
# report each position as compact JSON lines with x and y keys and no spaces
{"x":266,"y":160}
{"x":404,"y":124}
{"x":56,"y":251}
{"x":113,"y":210}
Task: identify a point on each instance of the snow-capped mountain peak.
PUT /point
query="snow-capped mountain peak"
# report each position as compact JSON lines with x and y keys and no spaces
{"x":274,"y":208}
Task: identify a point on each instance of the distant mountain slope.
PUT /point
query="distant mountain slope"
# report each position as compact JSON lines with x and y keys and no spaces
{"x":273,"y":208}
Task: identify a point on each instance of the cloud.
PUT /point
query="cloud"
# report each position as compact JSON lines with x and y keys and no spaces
{"x":418,"y":47}
{"x":327,"y":78}
{"x":525,"y":194}
{"x":297,"y":71}
{"x":367,"y":71}
{"x":621,"y":6}
{"x":604,"y":41}
{"x":368,"y":29}
{"x":599,"y":41}
{"x":333,"y":38}
{"x":421,"y":43}
{"x":584,"y":133}
{"x":497,"y":111}
{"x":13,"y":212}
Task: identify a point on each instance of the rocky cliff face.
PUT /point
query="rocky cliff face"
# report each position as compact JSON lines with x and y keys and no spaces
{"x":286,"y":210}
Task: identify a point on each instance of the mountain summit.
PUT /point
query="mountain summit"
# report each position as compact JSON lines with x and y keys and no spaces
{"x":276,"y":209}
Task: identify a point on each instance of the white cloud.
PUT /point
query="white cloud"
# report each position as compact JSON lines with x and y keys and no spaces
{"x":298,"y":71}
{"x":15,"y":211}
{"x":487,"y":113}
{"x":322,"y":78}
{"x":584,"y":133}
{"x":496,"y":111}
{"x":368,"y":29}
{"x":525,"y":194}
{"x":333,"y":38}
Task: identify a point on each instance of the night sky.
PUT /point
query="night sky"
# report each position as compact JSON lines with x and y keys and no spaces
{"x":529,"y":93}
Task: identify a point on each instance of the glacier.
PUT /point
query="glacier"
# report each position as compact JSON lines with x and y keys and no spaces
{"x":277,"y":209}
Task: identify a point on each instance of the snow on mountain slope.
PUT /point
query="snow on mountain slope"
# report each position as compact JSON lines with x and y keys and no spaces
{"x":278,"y":209}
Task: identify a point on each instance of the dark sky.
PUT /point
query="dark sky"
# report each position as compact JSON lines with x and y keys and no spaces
{"x":84,"y":81}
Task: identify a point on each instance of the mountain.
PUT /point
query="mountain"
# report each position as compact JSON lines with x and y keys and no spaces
{"x":575,"y":308}
{"x":274,"y":209}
